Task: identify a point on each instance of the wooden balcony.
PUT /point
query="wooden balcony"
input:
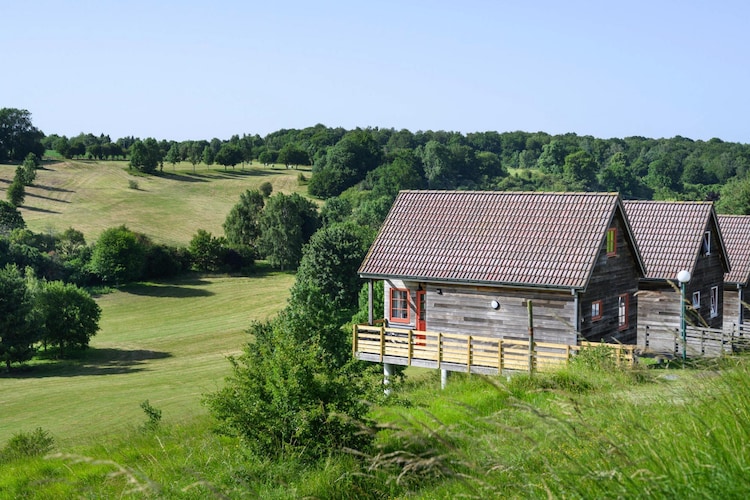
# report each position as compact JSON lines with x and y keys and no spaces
{"x":467,"y":353}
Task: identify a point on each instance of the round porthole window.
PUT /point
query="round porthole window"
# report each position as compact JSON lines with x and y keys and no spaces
{"x":495,"y":304}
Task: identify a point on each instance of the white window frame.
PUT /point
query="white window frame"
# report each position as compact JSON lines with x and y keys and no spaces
{"x":714,"y":301}
{"x":706,"y":247}
{"x":697,"y":301}
{"x":622,"y":311}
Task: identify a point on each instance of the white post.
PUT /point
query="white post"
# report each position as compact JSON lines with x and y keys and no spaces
{"x":387,"y":374}
{"x":443,"y":379}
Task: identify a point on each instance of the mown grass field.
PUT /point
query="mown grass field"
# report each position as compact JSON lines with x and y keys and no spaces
{"x":170,"y":207}
{"x":166,"y":343}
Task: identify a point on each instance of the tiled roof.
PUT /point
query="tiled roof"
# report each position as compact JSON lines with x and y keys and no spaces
{"x":669,"y":234}
{"x":527,"y":239}
{"x":735,"y":229}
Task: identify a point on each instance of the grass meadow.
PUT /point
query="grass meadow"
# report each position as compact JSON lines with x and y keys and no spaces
{"x":170,"y":207}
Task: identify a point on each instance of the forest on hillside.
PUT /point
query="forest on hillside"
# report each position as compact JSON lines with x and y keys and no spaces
{"x":377,"y":162}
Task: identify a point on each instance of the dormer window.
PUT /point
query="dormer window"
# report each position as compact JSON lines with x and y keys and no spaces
{"x":706,"y":247}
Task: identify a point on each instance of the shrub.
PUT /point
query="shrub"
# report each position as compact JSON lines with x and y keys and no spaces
{"x":266,"y":189}
{"x":153,"y":415}
{"x":281,"y":398}
{"x":27,"y":444}
{"x":133,"y":184}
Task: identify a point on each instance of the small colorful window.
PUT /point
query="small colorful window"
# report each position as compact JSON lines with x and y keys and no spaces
{"x":596,"y":310}
{"x":714,"y":301}
{"x":611,"y":241}
{"x":622,"y":312}
{"x":399,"y":305}
{"x":697,"y":301}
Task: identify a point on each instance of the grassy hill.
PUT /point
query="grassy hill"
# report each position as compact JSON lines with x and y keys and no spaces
{"x":170,"y":207}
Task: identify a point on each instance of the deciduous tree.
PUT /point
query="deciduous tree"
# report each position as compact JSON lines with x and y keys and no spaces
{"x":68,"y":314}
{"x":18,"y":137}
{"x":17,"y":332}
{"x":242,"y":225}
{"x":118,"y":256}
{"x":287,"y":223}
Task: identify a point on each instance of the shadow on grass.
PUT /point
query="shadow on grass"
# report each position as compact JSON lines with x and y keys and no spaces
{"x":172,"y":290}
{"x":41,"y":210}
{"x":90,"y":362}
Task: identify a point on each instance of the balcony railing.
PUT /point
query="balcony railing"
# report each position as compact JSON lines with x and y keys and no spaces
{"x":469,"y":353}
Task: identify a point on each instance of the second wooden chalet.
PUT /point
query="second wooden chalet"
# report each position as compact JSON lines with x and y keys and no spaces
{"x":735,"y":230}
{"x":674,"y":237}
{"x":463,"y":262}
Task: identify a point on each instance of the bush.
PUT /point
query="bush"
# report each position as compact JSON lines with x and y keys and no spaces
{"x":27,"y":444}
{"x":281,"y":398}
{"x":266,"y":189}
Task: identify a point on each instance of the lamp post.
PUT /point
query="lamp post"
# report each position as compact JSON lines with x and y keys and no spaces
{"x":683,"y":277}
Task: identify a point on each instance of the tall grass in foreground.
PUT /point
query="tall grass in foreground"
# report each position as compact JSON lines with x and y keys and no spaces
{"x":582,"y":432}
{"x":589,"y":431}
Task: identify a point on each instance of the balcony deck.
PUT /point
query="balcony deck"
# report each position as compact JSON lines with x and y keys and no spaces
{"x":467,"y":353}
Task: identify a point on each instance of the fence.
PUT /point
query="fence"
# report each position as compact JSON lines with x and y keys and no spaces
{"x":703,"y":342}
{"x":469,"y":353}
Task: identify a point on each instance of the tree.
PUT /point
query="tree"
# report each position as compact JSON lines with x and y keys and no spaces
{"x":293,"y":155}
{"x":17,"y":332}
{"x":195,"y":151}
{"x":206,"y":252}
{"x":208,"y":156}
{"x":229,"y":155}
{"x":16,"y":192}
{"x":287,"y":223}
{"x":438,"y":166}
{"x":118,"y":256}
{"x":579,"y":170}
{"x":345,"y":164}
{"x":735,"y":197}
{"x":173,"y":155}
{"x":242,"y":225}
{"x":145,"y":155}
{"x":10,"y":218}
{"x":69,"y":316}
{"x":327,"y":285}
{"x":18,"y":137}
{"x":26,"y":172}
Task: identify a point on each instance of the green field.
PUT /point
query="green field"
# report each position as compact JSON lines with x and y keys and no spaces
{"x":163,"y":342}
{"x":92,"y":196}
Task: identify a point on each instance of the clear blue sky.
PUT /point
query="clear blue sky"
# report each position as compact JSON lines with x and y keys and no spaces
{"x":202,"y":69}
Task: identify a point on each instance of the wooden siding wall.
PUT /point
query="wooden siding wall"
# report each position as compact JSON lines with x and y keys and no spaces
{"x":709,"y":272}
{"x":612,"y":277}
{"x":658,"y":307}
{"x":732,"y":304}
{"x":467,"y":310}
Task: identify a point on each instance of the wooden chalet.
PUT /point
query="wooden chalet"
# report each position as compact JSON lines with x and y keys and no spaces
{"x":735,"y":230}
{"x":467,"y":263}
{"x":672,"y":237}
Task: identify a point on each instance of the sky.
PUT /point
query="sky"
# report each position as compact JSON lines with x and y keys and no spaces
{"x":183,"y":70}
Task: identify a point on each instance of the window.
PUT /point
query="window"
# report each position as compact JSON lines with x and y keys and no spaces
{"x":399,"y":305}
{"x":622,"y":312}
{"x":706,"y":247}
{"x":697,"y":301}
{"x":714,"y":301}
{"x":611,"y":241}
{"x":596,"y":310}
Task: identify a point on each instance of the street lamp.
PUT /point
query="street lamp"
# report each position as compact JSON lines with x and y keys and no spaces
{"x":683,"y":277}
